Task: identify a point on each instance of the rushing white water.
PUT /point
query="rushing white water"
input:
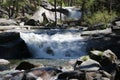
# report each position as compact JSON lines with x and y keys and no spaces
{"x":56,"y":46}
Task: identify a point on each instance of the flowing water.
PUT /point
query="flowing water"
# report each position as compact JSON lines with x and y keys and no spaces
{"x":55,"y":44}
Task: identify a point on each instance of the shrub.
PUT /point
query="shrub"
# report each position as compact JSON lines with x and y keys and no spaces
{"x":99,"y":17}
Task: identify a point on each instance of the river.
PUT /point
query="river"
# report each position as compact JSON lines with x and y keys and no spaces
{"x":55,"y":44}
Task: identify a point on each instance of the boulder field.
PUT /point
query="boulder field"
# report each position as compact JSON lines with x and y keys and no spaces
{"x":99,"y":65}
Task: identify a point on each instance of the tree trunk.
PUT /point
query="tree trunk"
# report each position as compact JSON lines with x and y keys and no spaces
{"x":9,"y":11}
{"x":60,"y":12}
{"x":13,"y":8}
{"x":55,"y":13}
{"x":17,"y":9}
{"x":23,"y":11}
{"x":70,"y":3}
{"x":83,"y":10}
{"x":110,"y":8}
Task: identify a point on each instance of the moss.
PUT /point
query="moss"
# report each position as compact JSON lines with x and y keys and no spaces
{"x":100,"y":54}
{"x":85,"y":58}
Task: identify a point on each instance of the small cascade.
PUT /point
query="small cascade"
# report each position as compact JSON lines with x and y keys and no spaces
{"x":56,"y":46}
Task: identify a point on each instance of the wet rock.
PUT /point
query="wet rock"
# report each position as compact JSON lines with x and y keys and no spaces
{"x":78,"y":75}
{"x":110,"y":55}
{"x":90,"y":65}
{"x":66,"y":68}
{"x":105,"y":58}
{"x":6,"y":37}
{"x":50,"y":51}
{"x":97,"y":27}
{"x":118,"y":23}
{"x":105,"y":70}
{"x":42,"y":73}
{"x":18,"y":75}
{"x":114,"y":21}
{"x":98,"y":75}
{"x":108,"y":41}
{"x":12,"y":46}
{"x":32,"y":22}
{"x":84,"y":75}
{"x":25,"y":66}
{"x":117,"y":77}
{"x":4,"y":64}
{"x":115,"y":25}
{"x":84,"y":63}
{"x":116,"y":30}
{"x":84,"y":69}
{"x":79,"y":61}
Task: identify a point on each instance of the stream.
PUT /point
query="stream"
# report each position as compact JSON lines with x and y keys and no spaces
{"x":55,"y":44}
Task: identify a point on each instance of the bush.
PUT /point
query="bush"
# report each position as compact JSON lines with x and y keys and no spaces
{"x":100,"y":17}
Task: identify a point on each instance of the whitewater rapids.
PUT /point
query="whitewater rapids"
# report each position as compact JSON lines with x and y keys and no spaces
{"x":67,"y":45}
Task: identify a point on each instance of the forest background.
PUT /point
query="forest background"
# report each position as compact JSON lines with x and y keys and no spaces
{"x":93,"y":11}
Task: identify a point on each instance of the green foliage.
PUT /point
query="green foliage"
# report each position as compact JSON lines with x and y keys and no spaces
{"x":94,"y":11}
{"x":100,"y":54}
{"x":6,"y":2}
{"x":50,"y":1}
{"x":16,"y":8}
{"x":58,"y":2}
{"x":100,"y":17}
{"x":89,"y":3}
{"x":85,"y":58}
{"x":63,"y":4}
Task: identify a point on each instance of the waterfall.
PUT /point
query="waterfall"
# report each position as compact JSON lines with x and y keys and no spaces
{"x":55,"y":46}
{"x":74,"y":14}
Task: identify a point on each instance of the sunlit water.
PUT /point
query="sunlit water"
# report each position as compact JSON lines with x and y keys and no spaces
{"x":55,"y":45}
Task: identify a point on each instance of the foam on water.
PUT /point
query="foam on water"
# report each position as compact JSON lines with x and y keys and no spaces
{"x":57,"y":46}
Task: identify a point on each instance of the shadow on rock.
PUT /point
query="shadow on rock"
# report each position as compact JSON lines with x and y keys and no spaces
{"x":12,"y":46}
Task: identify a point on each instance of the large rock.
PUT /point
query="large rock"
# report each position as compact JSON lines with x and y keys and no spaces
{"x":47,"y":73}
{"x":32,"y":22}
{"x":117,"y":77}
{"x":6,"y":22}
{"x":88,"y":75}
{"x":12,"y":46}
{"x":107,"y":59}
{"x":116,"y":27}
{"x":107,"y":56}
{"x":90,"y":65}
{"x":98,"y":75}
{"x":86,"y":64}
{"x":67,"y":13}
{"x":12,"y":75}
{"x":25,"y":66}
{"x":107,"y":41}
{"x":72,"y":75}
{"x":116,"y":22}
{"x":3,"y":64}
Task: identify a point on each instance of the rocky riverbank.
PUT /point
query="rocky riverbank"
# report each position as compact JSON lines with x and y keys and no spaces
{"x":12,"y":46}
{"x":96,"y":66}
